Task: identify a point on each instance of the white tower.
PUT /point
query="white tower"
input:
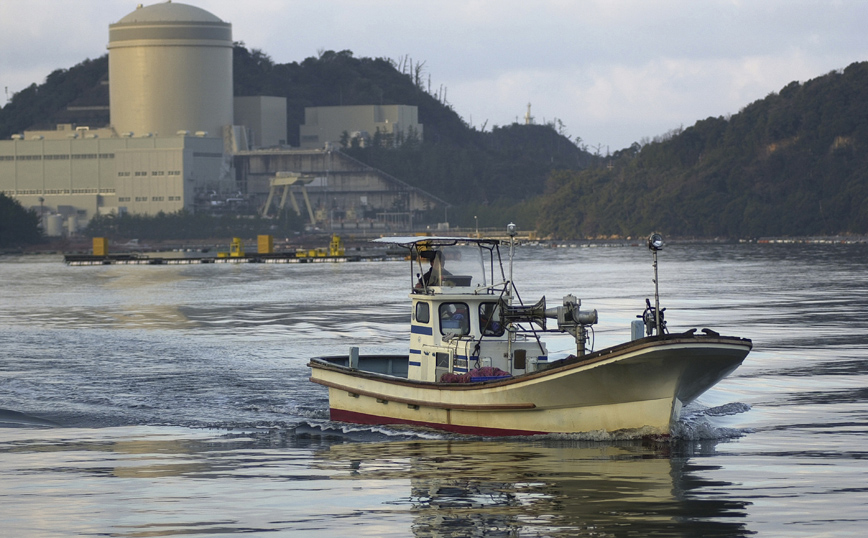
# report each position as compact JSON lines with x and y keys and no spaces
{"x":170,"y":70}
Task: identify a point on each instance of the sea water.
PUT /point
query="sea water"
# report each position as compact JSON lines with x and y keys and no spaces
{"x":175,"y":401}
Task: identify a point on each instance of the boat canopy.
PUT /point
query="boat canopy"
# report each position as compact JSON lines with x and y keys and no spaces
{"x":434,"y":241}
{"x":462,"y":269}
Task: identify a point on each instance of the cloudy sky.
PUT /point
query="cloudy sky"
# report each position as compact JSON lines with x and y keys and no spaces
{"x":612,"y":71}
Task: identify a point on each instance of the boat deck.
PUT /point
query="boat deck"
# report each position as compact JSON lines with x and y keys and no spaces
{"x":394,"y":365}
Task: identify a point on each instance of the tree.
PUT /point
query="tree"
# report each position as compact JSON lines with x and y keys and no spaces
{"x":184,"y":225}
{"x":18,"y":226}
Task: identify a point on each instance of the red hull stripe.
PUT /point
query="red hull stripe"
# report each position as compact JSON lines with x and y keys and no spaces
{"x":340,"y":415}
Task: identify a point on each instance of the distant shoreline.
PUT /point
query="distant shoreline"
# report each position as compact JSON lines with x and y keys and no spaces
{"x":357,"y":244}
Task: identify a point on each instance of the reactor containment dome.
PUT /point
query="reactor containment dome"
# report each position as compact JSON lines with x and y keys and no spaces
{"x":170,"y":70}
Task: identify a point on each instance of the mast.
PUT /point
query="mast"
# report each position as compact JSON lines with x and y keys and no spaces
{"x":510,"y":229}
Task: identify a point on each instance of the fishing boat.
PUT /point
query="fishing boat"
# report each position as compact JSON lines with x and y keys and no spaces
{"x":478,"y":363}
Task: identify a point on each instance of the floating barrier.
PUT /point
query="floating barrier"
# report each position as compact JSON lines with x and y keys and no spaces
{"x":265,"y":243}
{"x":277,"y":258}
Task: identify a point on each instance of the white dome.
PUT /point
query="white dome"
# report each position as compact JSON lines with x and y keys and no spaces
{"x":170,"y":70}
{"x":169,"y":12}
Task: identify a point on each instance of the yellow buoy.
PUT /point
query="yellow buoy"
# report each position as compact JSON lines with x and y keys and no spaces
{"x":236,"y":249}
{"x":100,"y":246}
{"x":265,"y":244}
{"x":336,"y":246}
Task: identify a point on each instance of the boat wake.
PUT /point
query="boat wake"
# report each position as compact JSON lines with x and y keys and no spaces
{"x":729,"y":409}
{"x":358,"y":433}
{"x":14,"y":419}
{"x":695,"y":424}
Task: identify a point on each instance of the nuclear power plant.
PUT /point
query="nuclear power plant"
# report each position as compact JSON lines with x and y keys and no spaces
{"x":178,"y":139}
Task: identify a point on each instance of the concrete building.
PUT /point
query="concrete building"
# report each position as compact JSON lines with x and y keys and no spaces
{"x":345,"y":193}
{"x":265,"y":119}
{"x":80,"y":174}
{"x":325,"y":125}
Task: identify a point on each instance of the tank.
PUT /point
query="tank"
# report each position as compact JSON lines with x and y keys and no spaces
{"x":170,"y":70}
{"x":54,"y":225}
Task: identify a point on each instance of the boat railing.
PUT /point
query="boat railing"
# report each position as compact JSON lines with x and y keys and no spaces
{"x":492,"y":289}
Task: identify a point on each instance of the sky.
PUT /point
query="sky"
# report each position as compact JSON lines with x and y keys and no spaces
{"x":612,"y":72}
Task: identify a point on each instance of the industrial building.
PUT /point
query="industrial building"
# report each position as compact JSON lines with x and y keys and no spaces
{"x":326,"y":125}
{"x":179,"y":140}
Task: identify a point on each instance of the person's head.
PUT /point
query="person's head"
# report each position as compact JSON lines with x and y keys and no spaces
{"x":434,"y":257}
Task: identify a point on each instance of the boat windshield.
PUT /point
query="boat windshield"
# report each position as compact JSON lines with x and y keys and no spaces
{"x":452,"y":262}
{"x":453,"y":266}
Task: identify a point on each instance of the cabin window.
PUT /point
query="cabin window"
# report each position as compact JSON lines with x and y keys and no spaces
{"x":423,"y":313}
{"x":489,"y":319}
{"x":454,"y":319}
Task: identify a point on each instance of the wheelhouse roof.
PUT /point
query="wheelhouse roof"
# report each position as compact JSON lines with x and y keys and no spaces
{"x":434,"y":241}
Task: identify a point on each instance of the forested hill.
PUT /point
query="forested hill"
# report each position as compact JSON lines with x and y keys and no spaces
{"x":455,"y":161}
{"x":792,"y":164}
{"x":45,"y":105}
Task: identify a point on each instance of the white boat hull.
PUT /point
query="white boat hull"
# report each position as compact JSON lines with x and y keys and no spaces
{"x":640,"y":385}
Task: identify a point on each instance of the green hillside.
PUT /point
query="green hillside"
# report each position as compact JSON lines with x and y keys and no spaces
{"x":455,"y":162}
{"x":792,"y":164}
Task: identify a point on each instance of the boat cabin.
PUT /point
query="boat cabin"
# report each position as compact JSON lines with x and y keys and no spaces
{"x":457,"y":331}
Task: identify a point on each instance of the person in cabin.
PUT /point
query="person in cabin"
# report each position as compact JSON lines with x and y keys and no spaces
{"x":436,"y":273}
{"x":489,"y":319}
{"x":454,"y":316}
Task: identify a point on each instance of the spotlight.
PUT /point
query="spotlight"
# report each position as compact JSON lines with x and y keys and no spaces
{"x":655,"y":242}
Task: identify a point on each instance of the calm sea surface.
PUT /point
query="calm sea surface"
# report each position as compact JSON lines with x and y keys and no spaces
{"x":174,"y":401}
